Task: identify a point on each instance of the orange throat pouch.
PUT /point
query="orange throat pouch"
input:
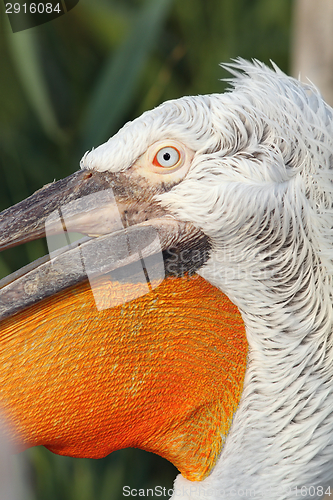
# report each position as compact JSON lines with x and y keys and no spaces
{"x":163,"y":372}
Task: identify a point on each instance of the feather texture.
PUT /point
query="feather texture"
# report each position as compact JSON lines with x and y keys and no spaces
{"x":260,"y":186}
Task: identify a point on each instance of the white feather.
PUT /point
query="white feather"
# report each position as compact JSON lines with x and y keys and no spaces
{"x":260,"y":187}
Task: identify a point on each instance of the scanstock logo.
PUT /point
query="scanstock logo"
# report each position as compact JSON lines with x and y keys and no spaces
{"x":25,"y":14}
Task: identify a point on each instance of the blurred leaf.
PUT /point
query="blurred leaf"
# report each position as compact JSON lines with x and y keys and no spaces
{"x":83,"y":480}
{"x":107,"y":23}
{"x":4,"y":269}
{"x":162,"y":78}
{"x":29,"y":68}
{"x":113,"y":481}
{"x":113,"y":93}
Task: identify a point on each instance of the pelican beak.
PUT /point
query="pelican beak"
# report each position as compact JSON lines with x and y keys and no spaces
{"x":161,"y":369}
{"x":119,"y":224}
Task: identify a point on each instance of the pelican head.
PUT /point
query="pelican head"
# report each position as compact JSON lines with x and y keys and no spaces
{"x":217,"y":194}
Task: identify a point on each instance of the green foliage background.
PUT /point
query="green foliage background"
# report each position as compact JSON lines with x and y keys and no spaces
{"x":69,"y":85}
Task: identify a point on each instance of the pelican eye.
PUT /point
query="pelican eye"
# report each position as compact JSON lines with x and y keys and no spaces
{"x":167,"y":157}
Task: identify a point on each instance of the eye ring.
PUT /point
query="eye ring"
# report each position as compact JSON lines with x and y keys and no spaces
{"x":167,"y":157}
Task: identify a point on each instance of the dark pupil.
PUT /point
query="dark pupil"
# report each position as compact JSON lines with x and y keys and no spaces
{"x":166,"y":156}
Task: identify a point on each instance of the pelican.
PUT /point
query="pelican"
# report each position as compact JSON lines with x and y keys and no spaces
{"x":224,"y":364}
